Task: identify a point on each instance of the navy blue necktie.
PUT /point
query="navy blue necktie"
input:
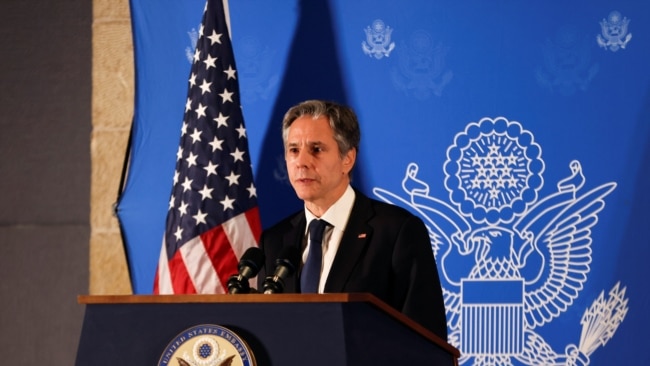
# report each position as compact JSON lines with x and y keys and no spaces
{"x":311,"y":270}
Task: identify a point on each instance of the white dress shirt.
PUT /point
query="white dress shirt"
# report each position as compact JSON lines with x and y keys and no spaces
{"x":337,"y":216}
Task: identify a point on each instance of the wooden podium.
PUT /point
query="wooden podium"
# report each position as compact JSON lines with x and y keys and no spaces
{"x":280,"y":329}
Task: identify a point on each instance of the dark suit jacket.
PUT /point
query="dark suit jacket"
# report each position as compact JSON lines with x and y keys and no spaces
{"x":385,"y":251}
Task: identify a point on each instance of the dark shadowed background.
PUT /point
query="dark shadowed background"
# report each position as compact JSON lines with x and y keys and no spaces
{"x":45,"y":122}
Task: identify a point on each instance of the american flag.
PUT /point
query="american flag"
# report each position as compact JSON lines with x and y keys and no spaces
{"x":213,"y":215}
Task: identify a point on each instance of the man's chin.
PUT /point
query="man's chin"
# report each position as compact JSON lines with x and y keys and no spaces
{"x":304,"y":194}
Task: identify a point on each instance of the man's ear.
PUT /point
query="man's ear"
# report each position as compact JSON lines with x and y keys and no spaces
{"x":349,"y":159}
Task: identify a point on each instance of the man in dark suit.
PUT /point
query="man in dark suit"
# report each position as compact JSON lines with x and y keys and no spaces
{"x":367,"y":245}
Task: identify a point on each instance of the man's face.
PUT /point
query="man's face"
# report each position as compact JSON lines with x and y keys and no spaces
{"x":316,"y":170}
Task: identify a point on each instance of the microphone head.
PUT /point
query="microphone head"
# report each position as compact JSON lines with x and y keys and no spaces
{"x":289,"y":258}
{"x":285,"y":266}
{"x":251,"y":262}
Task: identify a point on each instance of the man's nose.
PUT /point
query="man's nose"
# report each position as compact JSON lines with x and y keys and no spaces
{"x":302,"y":158}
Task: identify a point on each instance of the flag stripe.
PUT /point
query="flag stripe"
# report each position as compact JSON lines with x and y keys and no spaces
{"x":253,"y":218}
{"x":239,"y":233}
{"x":180,"y":278}
{"x":198,"y":264}
{"x":163,"y":281}
{"x":224,"y":259}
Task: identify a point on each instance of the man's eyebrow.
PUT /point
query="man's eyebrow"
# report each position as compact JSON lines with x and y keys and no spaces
{"x":309,"y":143}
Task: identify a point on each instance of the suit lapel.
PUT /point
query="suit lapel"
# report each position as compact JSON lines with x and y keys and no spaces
{"x":353,"y":244}
{"x":294,"y":237}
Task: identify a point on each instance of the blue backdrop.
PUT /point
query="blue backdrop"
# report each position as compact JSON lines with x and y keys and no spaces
{"x":519,"y":131}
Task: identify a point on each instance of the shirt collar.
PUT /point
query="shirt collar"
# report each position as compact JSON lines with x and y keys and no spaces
{"x":337,"y":215}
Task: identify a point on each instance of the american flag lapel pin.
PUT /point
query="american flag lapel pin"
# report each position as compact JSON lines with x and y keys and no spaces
{"x":362,"y":235}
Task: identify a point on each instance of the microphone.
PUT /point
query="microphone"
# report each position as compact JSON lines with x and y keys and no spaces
{"x":249,"y":265}
{"x":285,"y":266}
